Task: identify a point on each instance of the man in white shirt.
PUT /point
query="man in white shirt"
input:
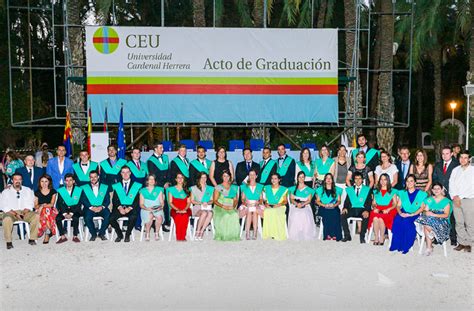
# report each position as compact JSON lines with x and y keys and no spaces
{"x":461,"y":189}
{"x":201,"y":164}
{"x":17,"y":203}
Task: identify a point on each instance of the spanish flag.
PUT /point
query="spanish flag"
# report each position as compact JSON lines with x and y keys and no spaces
{"x":67,"y":138}
{"x":89,"y":130}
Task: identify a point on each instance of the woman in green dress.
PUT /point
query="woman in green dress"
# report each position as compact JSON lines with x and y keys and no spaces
{"x":226,"y":216}
{"x":275,"y":196}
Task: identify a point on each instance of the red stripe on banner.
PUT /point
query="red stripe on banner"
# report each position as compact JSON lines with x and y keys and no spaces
{"x":103,"y":40}
{"x":209,"y":89}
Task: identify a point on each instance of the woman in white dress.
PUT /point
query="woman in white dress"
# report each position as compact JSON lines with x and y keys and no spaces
{"x":151,"y":206}
{"x":301,"y":224}
{"x":202,"y":200}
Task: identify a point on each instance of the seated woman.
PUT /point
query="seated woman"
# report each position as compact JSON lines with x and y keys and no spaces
{"x":226,"y":217}
{"x":45,"y":198}
{"x":252,"y":204}
{"x":435,"y":217}
{"x":151,"y":206}
{"x":179,"y":202}
{"x":275,"y":197}
{"x":409,"y":207}
{"x":328,"y":197}
{"x":201,"y":198}
{"x":301,"y":220}
{"x":384,"y":204}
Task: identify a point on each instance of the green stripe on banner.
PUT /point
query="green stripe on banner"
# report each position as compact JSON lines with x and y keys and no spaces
{"x":212,"y":80}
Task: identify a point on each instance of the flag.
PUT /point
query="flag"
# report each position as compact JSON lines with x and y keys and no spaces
{"x":106,"y":119}
{"x":67,"y":138}
{"x":89,"y":130}
{"x":354,"y":141}
{"x":121,"y":137}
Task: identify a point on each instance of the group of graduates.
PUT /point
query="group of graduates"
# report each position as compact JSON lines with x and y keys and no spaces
{"x":290,"y":197}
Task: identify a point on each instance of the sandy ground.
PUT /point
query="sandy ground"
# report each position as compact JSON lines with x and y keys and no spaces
{"x":252,"y":275}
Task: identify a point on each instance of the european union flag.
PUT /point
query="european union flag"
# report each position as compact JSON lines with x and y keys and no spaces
{"x":121,"y":137}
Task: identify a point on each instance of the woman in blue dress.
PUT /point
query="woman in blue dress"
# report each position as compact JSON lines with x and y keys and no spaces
{"x":328,"y":198}
{"x":435,"y":218}
{"x":409,"y":207}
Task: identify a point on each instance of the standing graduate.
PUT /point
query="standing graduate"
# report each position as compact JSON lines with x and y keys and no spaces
{"x":83,"y":167}
{"x":199,"y":165}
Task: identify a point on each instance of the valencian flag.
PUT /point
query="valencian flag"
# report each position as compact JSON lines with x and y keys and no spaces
{"x":105,"y":120}
{"x":67,"y":138}
{"x":121,"y":137}
{"x":89,"y":130}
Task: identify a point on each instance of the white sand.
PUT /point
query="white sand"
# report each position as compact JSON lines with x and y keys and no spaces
{"x":231,"y":275}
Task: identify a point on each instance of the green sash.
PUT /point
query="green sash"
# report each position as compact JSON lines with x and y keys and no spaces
{"x":301,"y":193}
{"x":384,"y":200}
{"x":266,"y":171}
{"x":80,"y":173}
{"x":411,"y":207}
{"x":93,"y":200}
{"x":161,"y":167}
{"x":368,"y":156}
{"x":305,"y":170}
{"x":284,"y":167}
{"x":323,"y":168}
{"x":254,"y":196}
{"x":178,"y":194}
{"x":72,"y":199}
{"x":136,"y":172}
{"x":123,"y":197}
{"x":233,"y":191}
{"x":207,"y":196}
{"x":153,"y":195}
{"x":112,"y":170}
{"x":182,"y":166}
{"x":274,"y":198}
{"x":324,"y":198}
{"x":433,"y":206}
{"x":358,"y":201}
{"x":198,"y":165}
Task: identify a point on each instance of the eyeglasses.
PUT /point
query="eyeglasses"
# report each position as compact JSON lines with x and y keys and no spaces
{"x":18,"y":194}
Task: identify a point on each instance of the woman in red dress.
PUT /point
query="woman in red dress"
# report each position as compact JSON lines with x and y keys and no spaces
{"x":179,"y":201}
{"x":45,"y":199}
{"x":384,"y":208}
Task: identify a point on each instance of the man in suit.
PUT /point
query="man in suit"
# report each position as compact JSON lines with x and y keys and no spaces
{"x":441,"y":173}
{"x":138,"y":168}
{"x":69,"y":206}
{"x":59,"y":166}
{"x":110,"y":167}
{"x":403,"y":165}
{"x":372,"y":155}
{"x":268,"y":167}
{"x":201,"y":164}
{"x":159,"y":165}
{"x":95,"y":200}
{"x":243,"y":168}
{"x":30,"y":173}
{"x":125,"y":203}
{"x":285,"y":167}
{"x":180,"y":164}
{"x":83,"y":168}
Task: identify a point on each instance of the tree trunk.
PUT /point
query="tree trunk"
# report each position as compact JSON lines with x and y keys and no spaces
{"x":385,"y":105}
{"x":376,"y":65}
{"x":419,"y":106}
{"x":322,"y":13}
{"x":261,"y":133}
{"x":471,"y":68}
{"x":257,"y":13}
{"x":436,"y":58}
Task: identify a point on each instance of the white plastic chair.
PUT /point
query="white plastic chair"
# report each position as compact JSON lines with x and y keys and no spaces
{"x":20,"y":224}
{"x":423,"y":243}
{"x":371,"y":231}
{"x":69,"y":227}
{"x":189,"y":233}
{"x":120,"y":222}
{"x":259,"y":225}
{"x":321,"y":230}
{"x":354,"y":221}
{"x":160,"y":233}
{"x":195,"y":223}
{"x":99,"y":220}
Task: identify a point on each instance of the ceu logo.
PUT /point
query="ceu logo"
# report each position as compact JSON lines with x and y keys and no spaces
{"x":106,"y":40}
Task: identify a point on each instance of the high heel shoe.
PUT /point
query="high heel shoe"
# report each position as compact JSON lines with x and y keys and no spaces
{"x":247,"y":236}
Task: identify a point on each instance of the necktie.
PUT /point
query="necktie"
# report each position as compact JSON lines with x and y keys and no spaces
{"x":84,"y":164}
{"x":248,"y":167}
{"x":445,"y":168}
{"x":204,"y":164}
{"x":357,"y":191}
{"x":125,"y":187}
{"x":30,"y":174}
{"x":138,"y":165}
{"x":403,"y":169}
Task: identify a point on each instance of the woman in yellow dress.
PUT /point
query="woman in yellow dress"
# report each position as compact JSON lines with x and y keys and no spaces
{"x":274,"y":224}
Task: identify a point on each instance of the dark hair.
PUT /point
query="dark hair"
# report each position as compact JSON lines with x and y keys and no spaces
{"x":389,"y":185}
{"x":410,"y":176}
{"x":59,"y":146}
{"x":361,"y":135}
{"x":17,"y":174}
{"x":12,"y":155}
{"x":198,"y":178}
{"x":329,"y":192}
{"x":157,"y":143}
{"x":185,"y":183}
{"x":219,"y":149}
{"x":267,"y":148}
{"x":182,"y":146}
{"x":301,"y":154}
{"x":447,"y":148}
{"x":84,"y":150}
{"x":280,"y":144}
{"x":94,"y":172}
{"x":69,"y":175}
{"x":148,"y":177}
{"x":297,"y":177}
{"x":50,"y":181}
{"x":245,"y":149}
{"x":111,"y":146}
{"x":125,"y":167}
{"x":200,"y":147}
{"x":357,"y":174}
{"x":465,"y":152}
{"x":228,"y":173}
{"x":136,"y":148}
{"x":277,"y":175}
{"x":388,"y":155}
{"x":404,"y":147}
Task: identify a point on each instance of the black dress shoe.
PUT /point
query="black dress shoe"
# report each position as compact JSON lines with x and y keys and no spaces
{"x":103,"y":237}
{"x":9,"y":245}
{"x":127,"y":239}
{"x":346,"y":239}
{"x":454,"y":242}
{"x":32,"y":242}
{"x":166,"y":228}
{"x":362,"y":241}
{"x":118,"y":239}
{"x":92,"y":239}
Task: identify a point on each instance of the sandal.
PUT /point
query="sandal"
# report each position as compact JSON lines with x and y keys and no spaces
{"x":147,"y":237}
{"x":157,"y":236}
{"x":376,"y":243}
